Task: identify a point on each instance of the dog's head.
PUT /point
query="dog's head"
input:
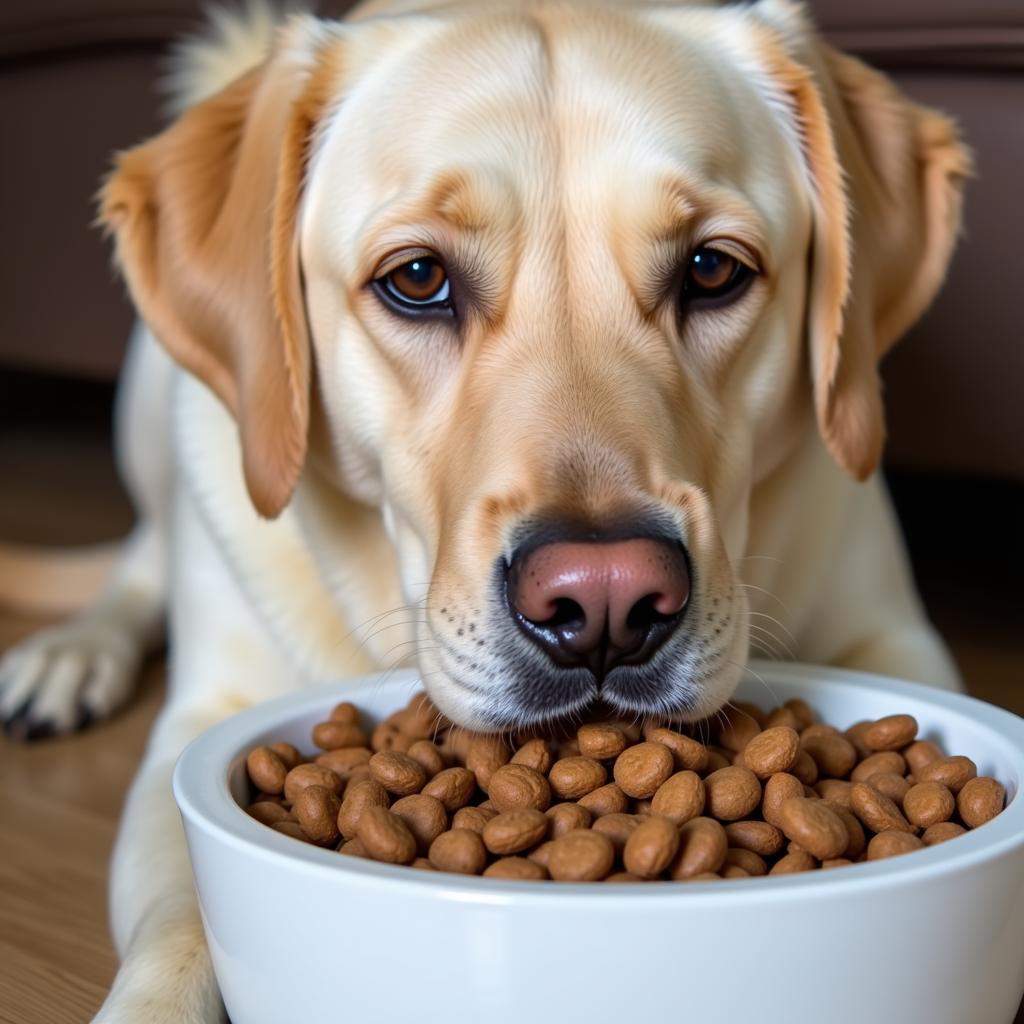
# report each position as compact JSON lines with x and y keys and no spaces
{"x":554,"y":285}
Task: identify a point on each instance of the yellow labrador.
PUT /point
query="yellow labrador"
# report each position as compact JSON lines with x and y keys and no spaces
{"x":537,"y":341}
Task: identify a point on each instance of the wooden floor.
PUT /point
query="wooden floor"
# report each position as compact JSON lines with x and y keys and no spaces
{"x":60,"y":800}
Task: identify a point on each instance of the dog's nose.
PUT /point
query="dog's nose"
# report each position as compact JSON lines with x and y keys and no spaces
{"x":599,"y":604}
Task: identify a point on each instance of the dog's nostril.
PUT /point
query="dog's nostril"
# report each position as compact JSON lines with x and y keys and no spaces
{"x":567,"y":613}
{"x":645,"y":612}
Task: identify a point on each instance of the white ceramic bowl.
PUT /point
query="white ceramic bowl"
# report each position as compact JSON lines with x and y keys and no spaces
{"x":301,"y":935}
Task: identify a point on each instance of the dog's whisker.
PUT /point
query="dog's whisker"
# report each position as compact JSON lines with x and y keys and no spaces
{"x":762,"y":590}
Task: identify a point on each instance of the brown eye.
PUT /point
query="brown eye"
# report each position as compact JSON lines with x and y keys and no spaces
{"x":420,"y":283}
{"x":712,"y":273}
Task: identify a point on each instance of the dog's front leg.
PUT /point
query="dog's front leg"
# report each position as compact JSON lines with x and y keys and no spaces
{"x":221,"y":660}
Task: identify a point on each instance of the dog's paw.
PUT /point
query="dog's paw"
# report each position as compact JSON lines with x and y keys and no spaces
{"x":63,"y":678}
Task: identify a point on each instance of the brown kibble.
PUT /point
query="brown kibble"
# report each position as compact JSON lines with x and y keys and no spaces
{"x":419,"y":718}
{"x":583,"y":855}
{"x":535,"y":754}
{"x":680,"y":797}
{"x":288,"y":753}
{"x":886,"y":761}
{"x":515,"y":831}
{"x":894,"y":786}
{"x":651,"y":847}
{"x":980,"y":800}
{"x":771,"y":751}
{"x":459,"y":851}
{"x":757,"y":836}
{"x":387,"y":737}
{"x":836,"y":790}
{"x":425,"y":816}
{"x":688,"y":754}
{"x":953,"y":772}
{"x":359,"y":796}
{"x":428,"y":755}
{"x":805,"y":768}
{"x":732,"y":793}
{"x":833,"y":754}
{"x":623,"y":876}
{"x":717,"y":760}
{"x":573,"y":777}
{"x":485,"y":756}
{"x":641,"y":769}
{"x":455,"y":745}
{"x":518,"y":868}
{"x":290,"y":827}
{"x":740,"y":729}
{"x":344,"y":761}
{"x":618,"y":828}
{"x":267,"y":812}
{"x":316,"y":810}
{"x":893,"y":732}
{"x":473,"y":818}
{"x":386,"y":837}
{"x":568,"y":816}
{"x":836,"y":862}
{"x":335,"y":735}
{"x":920,"y":753}
{"x":702,"y":848}
{"x":346,"y":712}
{"x":422,"y":864}
{"x":802,"y":710}
{"x":454,"y":787}
{"x":927,"y":804}
{"x":303,"y":775}
{"x":266,"y":770}
{"x":857,"y":841}
{"x":747,"y":860}
{"x":398,"y":773}
{"x":606,"y":799}
{"x":855,"y":734}
{"x":354,"y":848}
{"x":792,"y":863}
{"x":600,"y":740}
{"x":517,"y":785}
{"x":541,"y":853}
{"x":876,"y":810}
{"x":814,"y":826}
{"x":942,"y":832}
{"x":892,"y":843}
{"x":778,"y":789}
{"x":781,"y":717}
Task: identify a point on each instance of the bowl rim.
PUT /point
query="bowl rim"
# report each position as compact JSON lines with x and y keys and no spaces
{"x":212,"y":808}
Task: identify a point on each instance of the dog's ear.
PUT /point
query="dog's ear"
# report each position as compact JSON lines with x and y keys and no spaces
{"x":204,"y":216}
{"x":886,"y":177}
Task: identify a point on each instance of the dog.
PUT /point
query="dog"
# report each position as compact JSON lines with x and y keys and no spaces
{"x":537,"y":342}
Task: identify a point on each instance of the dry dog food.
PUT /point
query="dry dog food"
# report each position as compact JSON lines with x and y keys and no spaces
{"x":751,"y":793}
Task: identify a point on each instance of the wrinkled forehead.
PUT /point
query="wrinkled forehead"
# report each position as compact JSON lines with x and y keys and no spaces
{"x":541,"y":113}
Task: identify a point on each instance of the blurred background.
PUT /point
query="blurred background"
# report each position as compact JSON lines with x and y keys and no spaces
{"x":77,"y":81}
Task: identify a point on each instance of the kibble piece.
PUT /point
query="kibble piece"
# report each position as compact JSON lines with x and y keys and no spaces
{"x":353,"y":848}
{"x":857,"y":841}
{"x":428,"y":755}
{"x":398,"y":773}
{"x":942,"y":832}
{"x":485,"y":756}
{"x":266,"y":770}
{"x":316,"y":810}
{"x":750,"y":862}
{"x":792,"y":863}
{"x":541,"y":853}
{"x":805,"y":768}
{"x":855,"y":734}
{"x":814,"y":826}
{"x":953,"y":772}
{"x":288,"y":753}
{"x":453,"y":787}
{"x":303,"y":775}
{"x":425,"y":816}
{"x":980,"y":800}
{"x":894,"y":786}
{"x":516,"y":785}
{"x":890,"y":733}
{"x":777,"y":789}
{"x":757,"y":836}
{"x":717,"y":760}
{"x":335,"y":735}
{"x":419,"y":718}
{"x":573,"y":777}
{"x":837,"y":790}
{"x":680,"y":797}
{"x":781,"y":716}
{"x":641,"y":769}
{"x":702,"y":848}
{"x":346,"y":711}
{"x":688,"y":754}
{"x":473,"y":818}
{"x":389,"y":737}
{"x":623,"y":876}
{"x":920,"y":753}
{"x":833,"y":755}
{"x":892,"y":843}
{"x":568,"y":816}
{"x":928,"y":803}
{"x":732,"y":793}
{"x":618,"y":828}
{"x":422,"y":864}
{"x":358,"y":797}
{"x":876,"y":810}
{"x":805,"y":716}
{"x":514,"y":831}
{"x":651,"y":847}
{"x":771,"y":751}
{"x":600,"y":740}
{"x":344,"y":761}
{"x":740,"y":729}
{"x":291,"y":828}
{"x":535,"y":754}
{"x":836,"y":862}
{"x":386,"y":837}
{"x":266,"y":812}
{"x":582,"y":855}
{"x":518,"y":868}
{"x":459,"y":851}
{"x":606,"y":799}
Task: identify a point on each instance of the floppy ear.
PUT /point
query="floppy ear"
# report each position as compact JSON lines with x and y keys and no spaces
{"x":886,"y":177}
{"x":204,"y":217}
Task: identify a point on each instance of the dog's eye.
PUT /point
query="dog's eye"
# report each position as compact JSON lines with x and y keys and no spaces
{"x":420,"y":285}
{"x":714,"y":274}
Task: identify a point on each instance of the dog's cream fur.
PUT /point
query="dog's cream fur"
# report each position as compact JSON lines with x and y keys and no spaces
{"x":559,"y":152}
